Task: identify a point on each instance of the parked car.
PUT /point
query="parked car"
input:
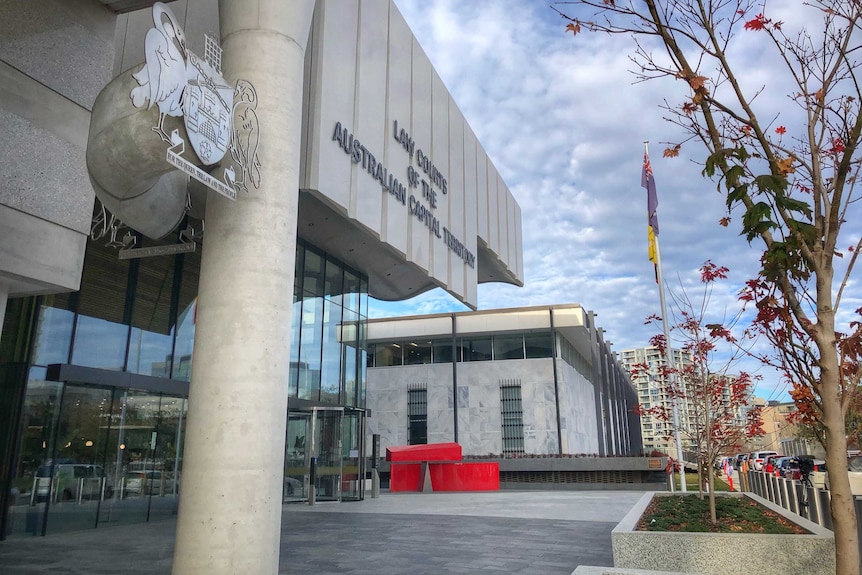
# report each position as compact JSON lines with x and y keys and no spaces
{"x":757,"y":458}
{"x":292,"y":487}
{"x":783,"y":466}
{"x":71,"y":481}
{"x":149,"y":482}
{"x":740,"y":457}
{"x":769,"y":463}
{"x":854,"y":473}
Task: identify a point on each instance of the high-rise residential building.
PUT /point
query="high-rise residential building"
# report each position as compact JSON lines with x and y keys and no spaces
{"x":644,"y":364}
{"x":657,"y":433}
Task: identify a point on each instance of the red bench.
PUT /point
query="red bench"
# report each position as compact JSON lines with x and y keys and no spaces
{"x":438,"y":467}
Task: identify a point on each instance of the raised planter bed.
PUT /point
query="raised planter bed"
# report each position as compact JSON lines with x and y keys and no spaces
{"x":720,"y":553}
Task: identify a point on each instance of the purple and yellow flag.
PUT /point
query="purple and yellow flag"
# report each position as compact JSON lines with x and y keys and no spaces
{"x":648,"y":181}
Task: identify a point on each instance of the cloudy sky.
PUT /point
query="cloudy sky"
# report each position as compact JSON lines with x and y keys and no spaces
{"x":564,"y":121}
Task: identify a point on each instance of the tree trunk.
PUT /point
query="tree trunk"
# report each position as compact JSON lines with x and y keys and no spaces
{"x":842,"y":504}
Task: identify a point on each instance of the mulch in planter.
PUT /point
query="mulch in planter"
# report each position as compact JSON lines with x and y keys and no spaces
{"x":735,"y":515}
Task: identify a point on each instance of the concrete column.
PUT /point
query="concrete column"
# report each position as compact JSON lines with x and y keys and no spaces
{"x":233,"y":463}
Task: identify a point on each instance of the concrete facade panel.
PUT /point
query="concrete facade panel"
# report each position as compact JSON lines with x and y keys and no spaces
{"x":38,"y":256}
{"x":456,"y":199}
{"x":336,"y":97}
{"x":422,"y":133}
{"x":399,"y":87}
{"x":441,"y":150}
{"x":521,"y":320}
{"x":493,"y":214}
{"x":471,"y":225}
{"x":482,"y":222}
{"x":367,"y":195}
{"x":63,"y":194}
{"x":33,"y":34}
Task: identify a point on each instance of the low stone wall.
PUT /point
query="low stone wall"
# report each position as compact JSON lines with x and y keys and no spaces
{"x":719,"y":553}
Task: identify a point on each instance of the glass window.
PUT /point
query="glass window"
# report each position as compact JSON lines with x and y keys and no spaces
{"x":417,"y":352}
{"x":417,"y":416}
{"x":508,"y":347}
{"x":77,"y":468}
{"x":186,"y":313}
{"x":538,"y":345}
{"x":330,"y":373}
{"x":352,"y":287}
{"x":512,"y":419}
{"x":313,"y":274}
{"x":442,"y":350}
{"x":387,"y":354}
{"x":298,"y":266}
{"x":54,"y":330}
{"x":334,"y":287}
{"x":102,"y":332}
{"x":350,"y":357}
{"x":311,"y":337}
{"x":151,"y":341}
{"x":476,"y":349}
{"x":295,"y":324}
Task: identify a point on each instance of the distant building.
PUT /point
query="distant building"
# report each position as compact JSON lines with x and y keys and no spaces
{"x":781,"y":434}
{"x":537,"y":380}
{"x":657,"y":433}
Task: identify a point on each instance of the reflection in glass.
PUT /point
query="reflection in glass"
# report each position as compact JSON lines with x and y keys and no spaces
{"x":310,"y":337}
{"x":313,"y":278}
{"x":538,"y":345}
{"x":297,"y":456}
{"x":330,"y":374}
{"x":476,"y":349}
{"x":30,"y":492}
{"x":387,"y":354}
{"x":352,"y":287}
{"x":100,"y":343}
{"x":53,"y":332}
{"x":75,"y":480}
{"x":350,"y":343}
{"x":334,"y":281}
{"x":152,"y":325}
{"x":508,"y":347}
{"x":442,"y":350}
{"x":182,"y":363}
{"x":417,"y":352}
{"x":293,"y":375}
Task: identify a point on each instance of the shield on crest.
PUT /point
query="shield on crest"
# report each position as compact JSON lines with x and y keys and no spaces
{"x":207,"y":106}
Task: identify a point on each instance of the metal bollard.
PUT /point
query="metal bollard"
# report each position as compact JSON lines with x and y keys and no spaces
{"x":312,"y":481}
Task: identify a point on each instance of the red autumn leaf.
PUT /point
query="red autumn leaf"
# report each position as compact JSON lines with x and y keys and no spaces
{"x":574,"y":28}
{"x":671,"y":152}
{"x":780,"y":130}
{"x":837,"y":146}
{"x":759,"y":22}
{"x":725,"y":221}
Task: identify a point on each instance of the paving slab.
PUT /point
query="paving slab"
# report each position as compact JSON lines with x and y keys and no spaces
{"x":506,"y":532}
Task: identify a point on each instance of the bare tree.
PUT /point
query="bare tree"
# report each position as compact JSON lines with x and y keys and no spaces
{"x":789,"y":175}
{"x":719,"y":417}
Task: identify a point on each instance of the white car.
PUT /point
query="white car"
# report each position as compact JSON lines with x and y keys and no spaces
{"x":149,"y":482}
{"x":854,"y":473}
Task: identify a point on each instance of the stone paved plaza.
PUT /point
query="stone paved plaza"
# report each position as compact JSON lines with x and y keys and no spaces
{"x":507,"y":532}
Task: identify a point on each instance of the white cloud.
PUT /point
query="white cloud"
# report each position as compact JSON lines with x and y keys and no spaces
{"x":564,"y":122}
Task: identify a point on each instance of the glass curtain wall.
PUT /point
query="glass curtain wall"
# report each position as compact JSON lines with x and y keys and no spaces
{"x":77,"y":455}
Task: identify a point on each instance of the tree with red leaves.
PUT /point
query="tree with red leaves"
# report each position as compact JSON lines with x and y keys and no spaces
{"x":719,"y":417}
{"x":792,"y":188}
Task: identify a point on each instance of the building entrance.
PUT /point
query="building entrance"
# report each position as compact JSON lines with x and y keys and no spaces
{"x":325,"y":441}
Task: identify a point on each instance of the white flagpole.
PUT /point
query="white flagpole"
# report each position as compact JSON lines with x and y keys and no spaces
{"x":669,"y":356}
